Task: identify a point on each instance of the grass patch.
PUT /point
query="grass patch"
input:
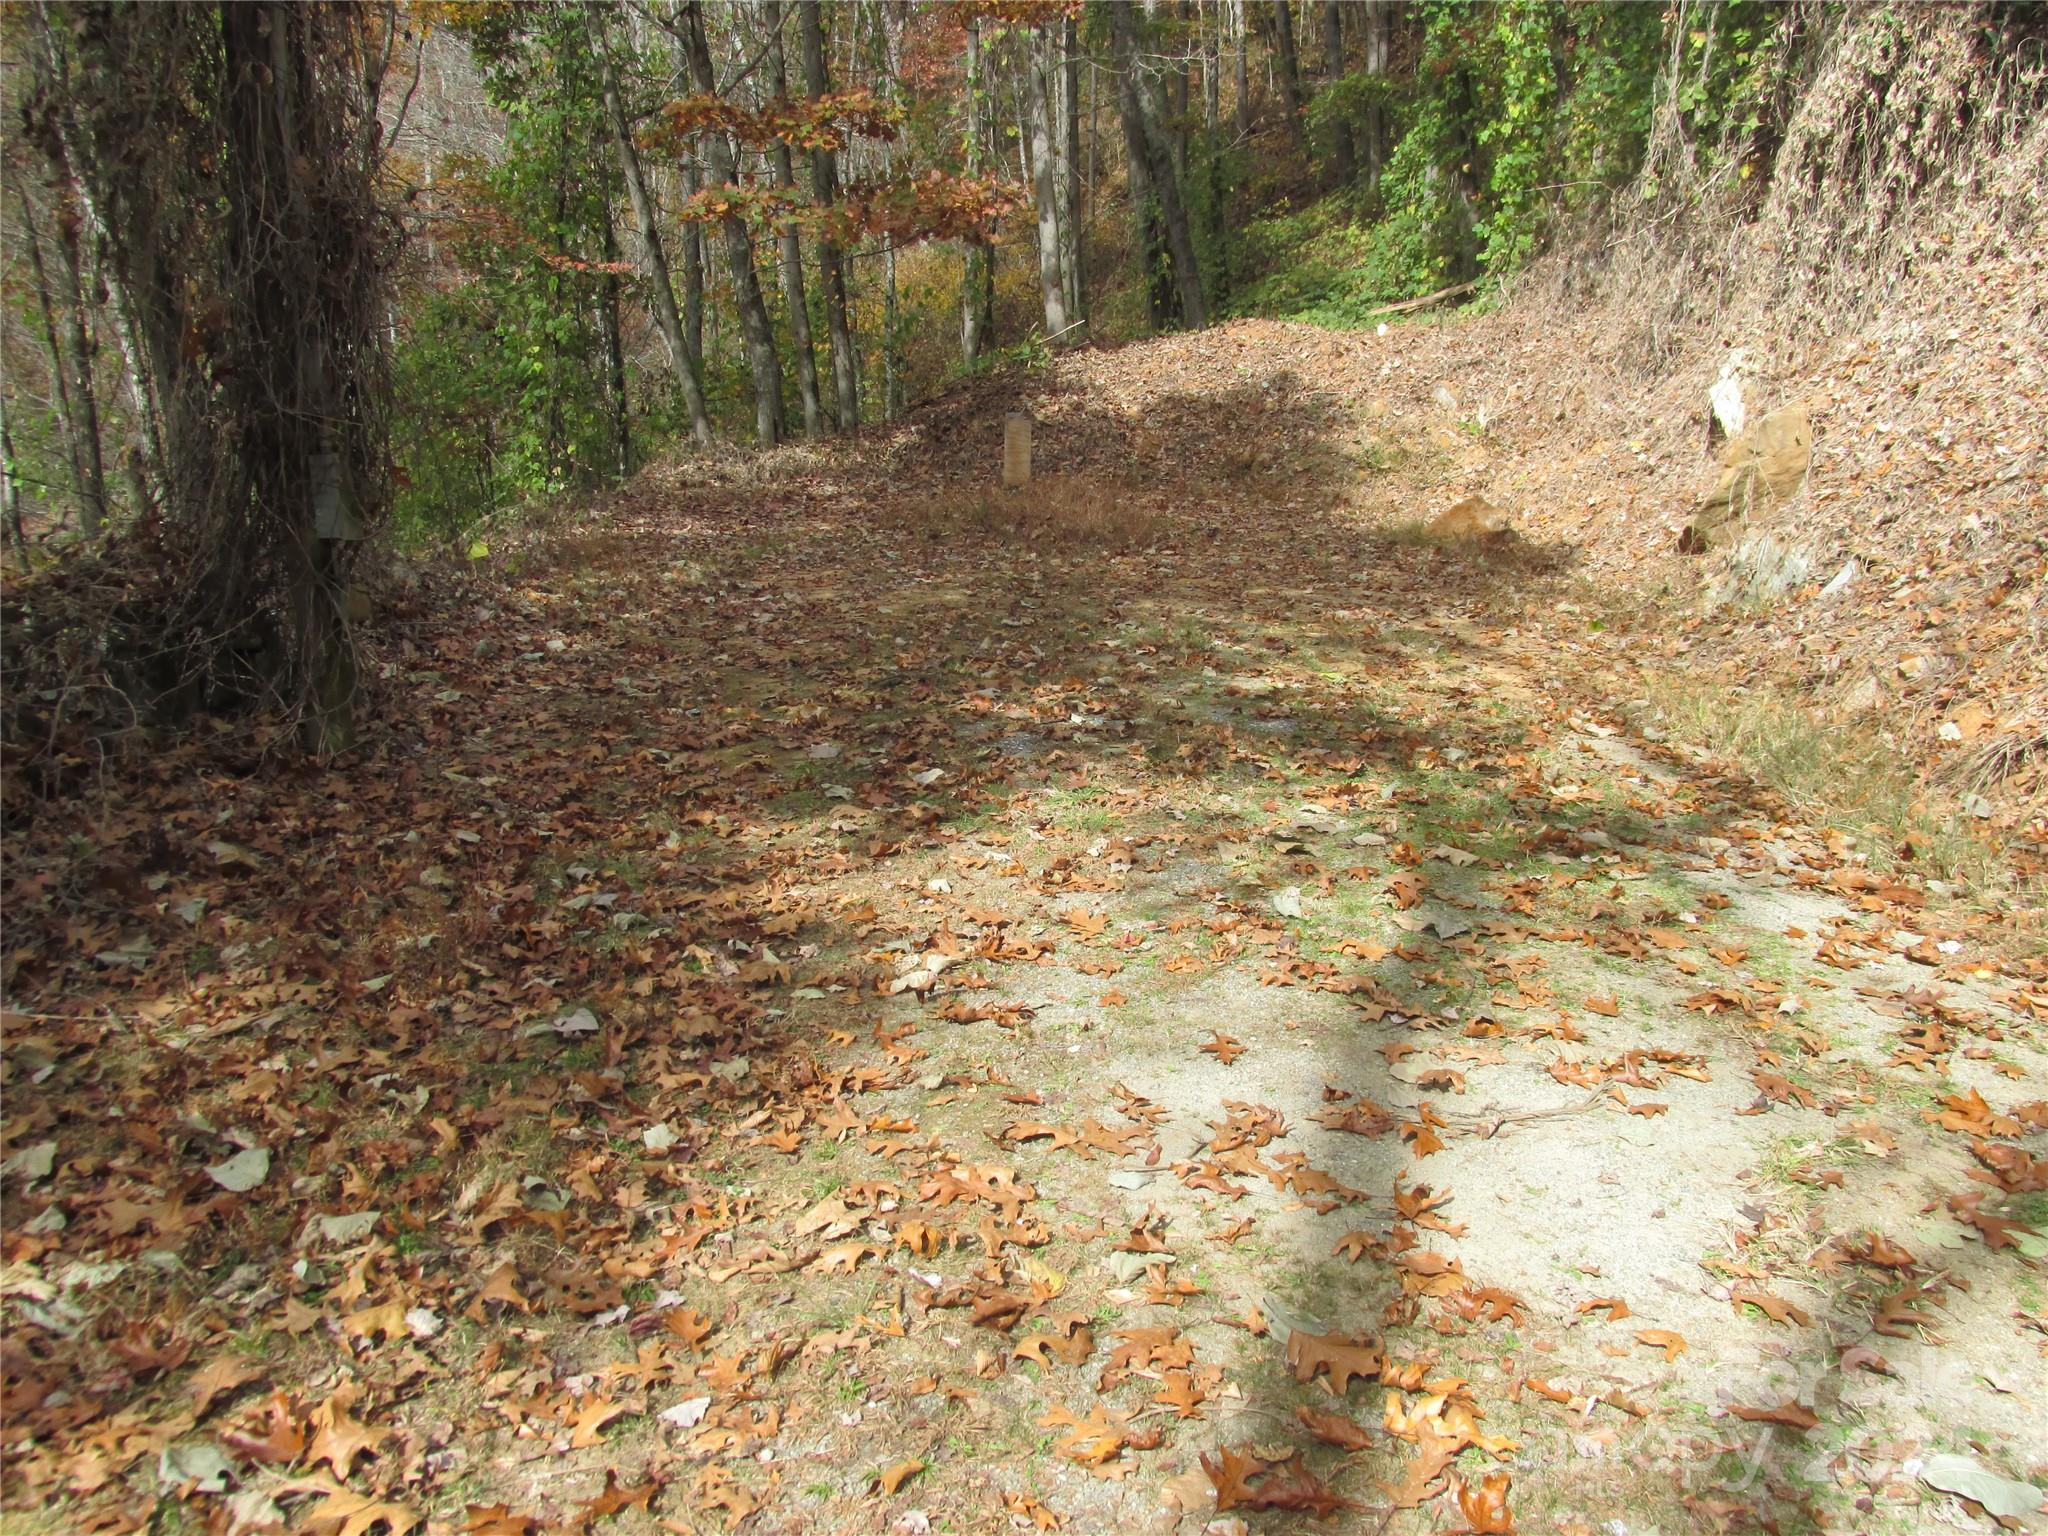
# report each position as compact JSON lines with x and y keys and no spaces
{"x":1831,"y":773}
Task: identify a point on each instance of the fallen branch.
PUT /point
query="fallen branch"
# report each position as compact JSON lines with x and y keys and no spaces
{"x":1424,"y":302}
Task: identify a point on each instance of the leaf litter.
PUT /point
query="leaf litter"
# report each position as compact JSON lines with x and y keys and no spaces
{"x":699,"y":1105}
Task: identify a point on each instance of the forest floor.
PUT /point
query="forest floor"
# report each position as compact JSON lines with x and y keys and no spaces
{"x":830,"y":1002}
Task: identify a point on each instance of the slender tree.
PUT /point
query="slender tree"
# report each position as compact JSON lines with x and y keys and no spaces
{"x":685,"y":347}
{"x":1289,"y":64}
{"x":1343,"y":157}
{"x":825,"y":193}
{"x":791,"y":244}
{"x":1068,"y":168}
{"x":755,"y":327}
{"x":1041,"y":73}
{"x":73,"y":399}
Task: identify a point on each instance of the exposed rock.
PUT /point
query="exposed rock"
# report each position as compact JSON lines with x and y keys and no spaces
{"x":1473,"y":518}
{"x":1763,"y":466}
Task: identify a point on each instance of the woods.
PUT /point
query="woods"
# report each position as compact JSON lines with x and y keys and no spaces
{"x":603,"y":230}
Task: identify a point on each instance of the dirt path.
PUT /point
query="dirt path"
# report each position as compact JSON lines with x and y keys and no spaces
{"x":824,"y":1014}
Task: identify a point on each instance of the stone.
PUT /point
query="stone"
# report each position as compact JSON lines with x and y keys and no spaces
{"x":1760,"y":468}
{"x":1473,"y":518}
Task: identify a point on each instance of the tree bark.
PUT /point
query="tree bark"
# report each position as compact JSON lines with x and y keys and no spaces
{"x":684,"y":346}
{"x":1039,"y":76}
{"x":792,"y":245}
{"x":1148,"y":142}
{"x":69,"y":354}
{"x":1290,"y":67}
{"x":755,"y":328}
{"x":1244,"y":69}
{"x":974,"y":277}
{"x":615,"y":351}
{"x":1343,"y":156}
{"x":284,"y":409}
{"x":1150,"y":233}
{"x":831,"y":264}
{"x":1217,"y":203}
{"x":1379,"y":38}
{"x":10,"y":489}
{"x":1067,"y":168}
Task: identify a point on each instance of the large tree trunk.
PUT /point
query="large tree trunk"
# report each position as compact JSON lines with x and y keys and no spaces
{"x":684,"y":348}
{"x":1290,"y":67}
{"x":1038,"y":80}
{"x":831,"y":264}
{"x":792,"y":246}
{"x":1343,"y":157}
{"x":755,"y":328}
{"x":1148,"y":144}
{"x":292,"y":322}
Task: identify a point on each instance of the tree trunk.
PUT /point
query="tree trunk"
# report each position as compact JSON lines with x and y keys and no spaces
{"x":10,"y":488}
{"x":792,"y":246}
{"x":1217,"y":203}
{"x":1379,"y":38}
{"x":1141,"y":110}
{"x":285,"y":409}
{"x":684,"y":346}
{"x":1038,"y":80}
{"x":1342,"y":155}
{"x":755,"y":327}
{"x":70,"y":364}
{"x":693,"y":265}
{"x":831,"y":265}
{"x":975,"y":272}
{"x":1244,"y":69}
{"x":615,"y":351}
{"x":1290,"y":67}
{"x":1067,"y":168}
{"x":1151,"y":236}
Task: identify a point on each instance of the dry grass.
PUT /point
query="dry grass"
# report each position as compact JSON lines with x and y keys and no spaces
{"x":1838,"y":773}
{"x":1055,"y":512}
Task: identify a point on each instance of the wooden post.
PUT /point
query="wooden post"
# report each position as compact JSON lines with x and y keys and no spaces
{"x":1016,"y":450}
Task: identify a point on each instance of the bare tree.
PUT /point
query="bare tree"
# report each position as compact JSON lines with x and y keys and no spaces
{"x":73,"y":401}
{"x":1290,"y":66}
